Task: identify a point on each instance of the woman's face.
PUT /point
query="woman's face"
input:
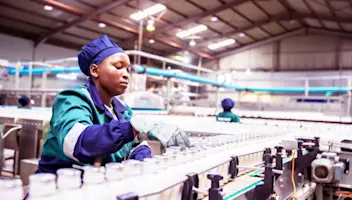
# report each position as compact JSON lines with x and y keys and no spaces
{"x":114,"y":73}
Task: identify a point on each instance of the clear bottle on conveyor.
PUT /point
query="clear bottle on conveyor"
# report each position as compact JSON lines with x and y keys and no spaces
{"x":114,"y":176}
{"x":11,"y":189}
{"x":69,"y":183}
{"x":94,"y":187}
{"x":42,"y":187}
{"x":132,"y":172}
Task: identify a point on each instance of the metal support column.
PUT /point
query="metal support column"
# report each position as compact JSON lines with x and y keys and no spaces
{"x":44,"y":81}
{"x":306,"y":88}
{"x":168,"y":92}
{"x":17,"y":76}
{"x":140,"y":39}
{"x":276,"y":56}
{"x":30,"y":77}
{"x":200,"y":61}
{"x":217,"y":100}
{"x":349,"y":98}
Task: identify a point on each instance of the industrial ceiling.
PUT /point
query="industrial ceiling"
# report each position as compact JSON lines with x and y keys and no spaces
{"x":228,"y":25}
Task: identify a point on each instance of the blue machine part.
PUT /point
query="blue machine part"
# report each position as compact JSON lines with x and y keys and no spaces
{"x":190,"y":77}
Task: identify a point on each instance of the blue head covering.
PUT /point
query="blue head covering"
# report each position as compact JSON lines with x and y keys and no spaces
{"x":24,"y":100}
{"x":227,"y":104}
{"x":96,"y":51}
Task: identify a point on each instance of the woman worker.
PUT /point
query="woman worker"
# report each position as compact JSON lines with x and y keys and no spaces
{"x":89,"y":125}
{"x":24,"y":102}
{"x":227,"y":116}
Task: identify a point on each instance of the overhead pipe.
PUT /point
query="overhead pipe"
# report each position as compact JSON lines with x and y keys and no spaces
{"x":145,"y":55}
{"x":190,"y":77}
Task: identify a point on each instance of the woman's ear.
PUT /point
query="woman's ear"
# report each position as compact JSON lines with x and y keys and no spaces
{"x":94,"y":72}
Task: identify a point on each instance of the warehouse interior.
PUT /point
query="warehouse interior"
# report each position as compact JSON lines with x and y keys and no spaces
{"x":283,"y":67}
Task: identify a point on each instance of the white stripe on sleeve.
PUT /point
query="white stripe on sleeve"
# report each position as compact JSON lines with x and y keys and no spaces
{"x":71,"y":139}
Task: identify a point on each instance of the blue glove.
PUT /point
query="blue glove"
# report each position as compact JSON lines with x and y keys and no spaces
{"x":141,"y":151}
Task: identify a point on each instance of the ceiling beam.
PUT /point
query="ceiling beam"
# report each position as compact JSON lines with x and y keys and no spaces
{"x":276,"y":18}
{"x":312,"y":11}
{"x":344,"y":34}
{"x":78,"y":12}
{"x":326,"y":17}
{"x":31,"y":36}
{"x":219,"y":18}
{"x":261,"y":42}
{"x":267,"y":14}
{"x":236,"y":27}
{"x":290,"y":9}
{"x":250,"y":21}
{"x":201,"y":15}
{"x":333,"y":13}
{"x":73,"y":22}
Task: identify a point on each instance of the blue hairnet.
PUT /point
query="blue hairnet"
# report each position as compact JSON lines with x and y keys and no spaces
{"x":96,"y":51}
{"x":227,"y":104}
{"x":24,"y":100}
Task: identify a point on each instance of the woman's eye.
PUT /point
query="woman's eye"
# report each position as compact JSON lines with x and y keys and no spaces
{"x":118,"y":66}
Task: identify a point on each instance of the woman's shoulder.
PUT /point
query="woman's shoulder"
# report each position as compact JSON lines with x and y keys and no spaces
{"x":77,"y":94}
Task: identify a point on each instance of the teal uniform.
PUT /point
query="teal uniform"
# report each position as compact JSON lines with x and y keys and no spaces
{"x":228,"y":117}
{"x":82,"y":129}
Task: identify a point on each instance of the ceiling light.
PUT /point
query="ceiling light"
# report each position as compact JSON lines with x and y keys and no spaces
{"x":47,"y":7}
{"x":242,"y":35}
{"x":221,"y":44}
{"x":150,"y":27}
{"x":192,"y":43}
{"x":187,"y":60}
{"x":102,"y":25}
{"x":148,"y":11}
{"x":151,"y":41}
{"x":191,"y":31}
{"x":213,"y":19}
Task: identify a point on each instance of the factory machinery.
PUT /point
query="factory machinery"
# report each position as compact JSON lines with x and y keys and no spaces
{"x":279,"y":160}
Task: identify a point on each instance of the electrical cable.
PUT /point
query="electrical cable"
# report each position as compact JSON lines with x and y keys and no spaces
{"x":293,"y":176}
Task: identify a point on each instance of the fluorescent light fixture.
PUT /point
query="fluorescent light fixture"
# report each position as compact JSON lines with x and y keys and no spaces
{"x":191,"y":31}
{"x":151,"y":41}
{"x":213,"y":19}
{"x":192,"y":43}
{"x":102,"y":25}
{"x":185,"y":59}
{"x":48,"y":8}
{"x":148,"y":11}
{"x":242,"y":35}
{"x":221,"y":44}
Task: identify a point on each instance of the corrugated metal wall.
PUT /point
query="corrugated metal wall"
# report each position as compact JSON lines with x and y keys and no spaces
{"x":296,"y":53}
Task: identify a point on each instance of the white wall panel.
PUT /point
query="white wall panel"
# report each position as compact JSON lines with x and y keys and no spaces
{"x":254,"y":58}
{"x":17,"y":49}
{"x":298,"y":53}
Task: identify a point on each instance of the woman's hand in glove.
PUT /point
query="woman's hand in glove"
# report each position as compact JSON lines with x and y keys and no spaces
{"x":167,"y":134}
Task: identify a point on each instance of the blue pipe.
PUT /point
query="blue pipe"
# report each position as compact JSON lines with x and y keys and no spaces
{"x":40,"y":71}
{"x":190,"y":77}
